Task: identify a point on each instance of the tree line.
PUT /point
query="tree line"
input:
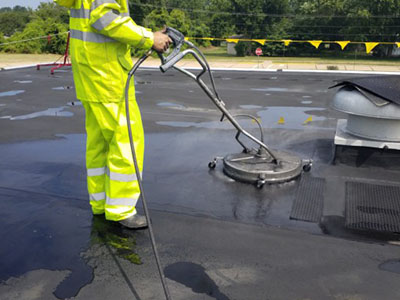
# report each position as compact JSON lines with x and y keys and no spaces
{"x":333,"y":20}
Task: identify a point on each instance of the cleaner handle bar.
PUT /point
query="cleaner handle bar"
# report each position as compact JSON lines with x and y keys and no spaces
{"x":168,"y":65}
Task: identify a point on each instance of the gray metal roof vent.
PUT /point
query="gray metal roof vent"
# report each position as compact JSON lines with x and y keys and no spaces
{"x":369,"y":116}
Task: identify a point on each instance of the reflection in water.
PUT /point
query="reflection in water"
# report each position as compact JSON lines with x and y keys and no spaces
{"x":111,"y":234}
{"x":294,"y":117}
{"x":51,"y":112}
{"x":61,"y":88}
{"x":11,"y":93}
{"x":170,"y":105}
{"x":75,"y":103}
{"x":23,"y":81}
{"x":249,"y":106}
{"x":391,"y":266}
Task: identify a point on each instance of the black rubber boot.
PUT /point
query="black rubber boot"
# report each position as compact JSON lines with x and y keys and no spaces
{"x":134,"y":222}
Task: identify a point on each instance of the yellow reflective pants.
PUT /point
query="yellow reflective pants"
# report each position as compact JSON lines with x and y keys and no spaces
{"x":111,"y":179}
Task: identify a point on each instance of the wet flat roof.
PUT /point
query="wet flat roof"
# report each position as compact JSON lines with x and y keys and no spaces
{"x":218,"y":238}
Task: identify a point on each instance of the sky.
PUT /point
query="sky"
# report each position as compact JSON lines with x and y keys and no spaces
{"x":26,"y":3}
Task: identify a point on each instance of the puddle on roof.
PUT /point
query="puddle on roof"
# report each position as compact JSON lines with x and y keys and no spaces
{"x":250,"y":106}
{"x":277,"y":90}
{"x":11,"y":93}
{"x":294,"y":118}
{"x":391,"y":266}
{"x":176,"y":106}
{"x":61,"y":88}
{"x":194,"y":276}
{"x":170,"y":105}
{"x":75,"y":103}
{"x":23,"y":81}
{"x":51,"y":112}
{"x":143,"y":82}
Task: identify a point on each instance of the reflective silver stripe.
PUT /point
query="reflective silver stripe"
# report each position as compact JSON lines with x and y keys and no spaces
{"x":121,"y":177}
{"x":80,"y":13}
{"x":97,"y":197}
{"x":127,"y":5}
{"x":96,"y":171}
{"x":90,"y":37}
{"x":97,"y":3}
{"x":105,"y":20}
{"x":121,"y":201}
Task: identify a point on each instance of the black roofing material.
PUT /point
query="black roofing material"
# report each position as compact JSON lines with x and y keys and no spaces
{"x":386,"y":87}
{"x":309,"y":200}
{"x":372,"y":207}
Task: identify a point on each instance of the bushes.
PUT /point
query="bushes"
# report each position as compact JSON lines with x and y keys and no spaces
{"x":39,"y":28}
{"x":242,"y":49}
{"x":48,"y":19}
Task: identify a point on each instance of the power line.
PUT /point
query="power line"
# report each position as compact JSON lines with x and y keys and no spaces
{"x":264,"y":14}
{"x":33,"y":39}
{"x":304,"y":26}
{"x":307,"y":26}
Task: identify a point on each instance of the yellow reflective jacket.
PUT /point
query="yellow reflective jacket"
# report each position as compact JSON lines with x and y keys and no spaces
{"x":101,"y":36}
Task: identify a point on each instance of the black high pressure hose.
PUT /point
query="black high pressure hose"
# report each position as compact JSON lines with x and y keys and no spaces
{"x":139,"y":178}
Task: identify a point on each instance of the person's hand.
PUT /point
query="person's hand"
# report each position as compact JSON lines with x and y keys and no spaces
{"x":161,"y":41}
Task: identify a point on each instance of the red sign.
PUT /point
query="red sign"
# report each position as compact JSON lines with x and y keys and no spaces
{"x":258,"y":51}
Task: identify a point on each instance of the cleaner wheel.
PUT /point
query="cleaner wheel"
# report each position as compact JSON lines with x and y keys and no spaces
{"x":257,"y":169}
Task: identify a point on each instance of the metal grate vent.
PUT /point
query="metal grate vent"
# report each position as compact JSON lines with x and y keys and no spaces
{"x":309,"y":200}
{"x":372,"y":207}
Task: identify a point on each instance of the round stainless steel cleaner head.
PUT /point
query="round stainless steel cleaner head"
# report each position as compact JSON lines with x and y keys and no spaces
{"x":253,"y":168}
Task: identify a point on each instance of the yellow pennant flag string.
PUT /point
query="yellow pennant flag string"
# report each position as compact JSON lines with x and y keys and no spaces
{"x":370,"y":46}
{"x":343,"y":44}
{"x":315,"y":43}
{"x":287,"y":42}
{"x":261,"y":42}
{"x":232,"y":40}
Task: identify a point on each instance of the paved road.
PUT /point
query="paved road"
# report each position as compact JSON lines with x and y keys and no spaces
{"x":218,"y":239}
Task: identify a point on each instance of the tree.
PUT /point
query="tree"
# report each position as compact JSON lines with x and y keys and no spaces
{"x":380,"y":21}
{"x":48,"y":19}
{"x":2,"y":39}
{"x":31,"y":31}
{"x":52,"y":11}
{"x":179,"y":20}
{"x":140,"y":9}
{"x":12,"y":21}
{"x":221,"y":23}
